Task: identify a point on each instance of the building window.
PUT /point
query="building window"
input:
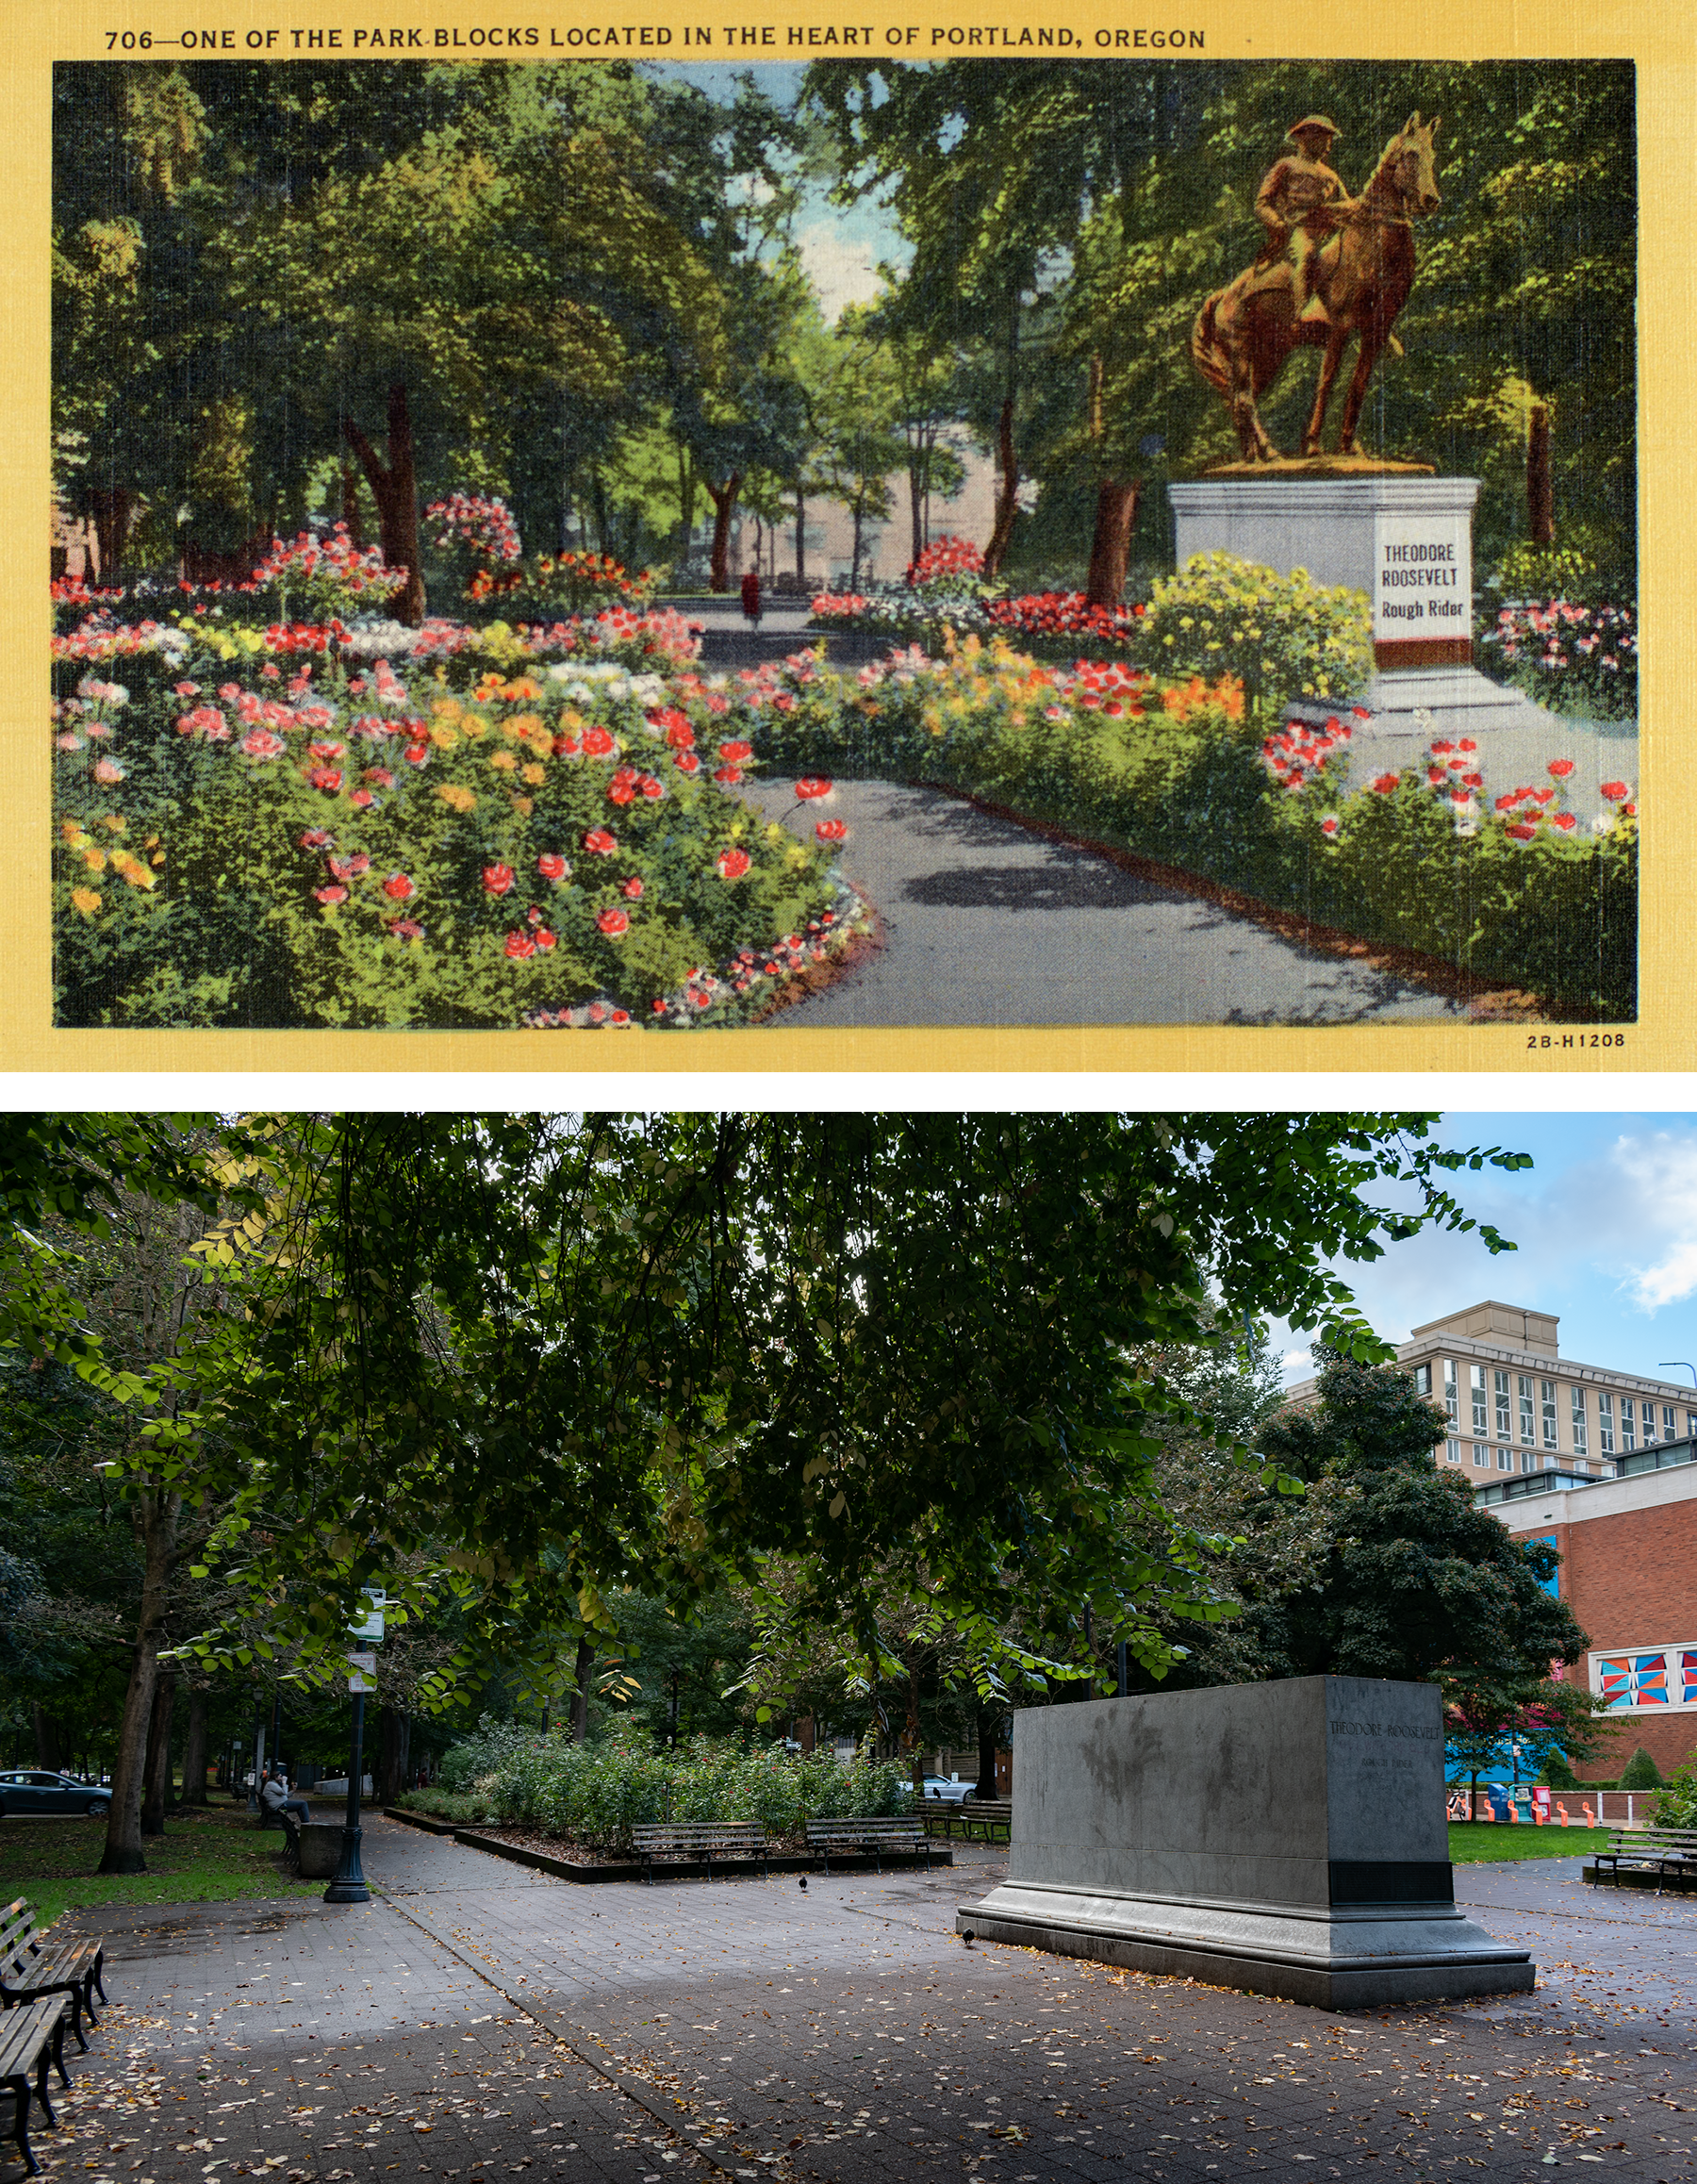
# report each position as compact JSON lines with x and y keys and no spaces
{"x":1451,"y":1451}
{"x":1578,"y":1395}
{"x":1627,"y":1443}
{"x":1525,"y":1409}
{"x":1451,"y":1403}
{"x":1528,"y":1463}
{"x":1504,"y":1458}
{"x":1668,"y":1431}
{"x":1481,"y":1456}
{"x":1482,"y":1424}
{"x":1691,"y":1425}
{"x":1605,"y":1422}
{"x":1422,"y":1379}
{"x":1547,"y":1397}
{"x":1503,"y":1427}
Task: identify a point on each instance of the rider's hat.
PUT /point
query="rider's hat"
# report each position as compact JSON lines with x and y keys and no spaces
{"x":1313,"y":121}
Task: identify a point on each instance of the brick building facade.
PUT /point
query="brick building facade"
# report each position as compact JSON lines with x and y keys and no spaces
{"x":1628,"y":1549}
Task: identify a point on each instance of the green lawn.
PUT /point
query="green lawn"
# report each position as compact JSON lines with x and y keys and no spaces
{"x":206,"y":1857}
{"x":1475,"y":1842}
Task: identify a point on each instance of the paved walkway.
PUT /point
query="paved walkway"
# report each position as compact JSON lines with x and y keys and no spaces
{"x":477,"y":2022}
{"x":989,"y":923}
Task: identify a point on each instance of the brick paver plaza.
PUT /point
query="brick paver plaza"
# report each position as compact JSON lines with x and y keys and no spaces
{"x":477,"y":2022}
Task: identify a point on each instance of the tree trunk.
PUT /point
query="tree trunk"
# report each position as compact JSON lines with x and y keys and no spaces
{"x":395,"y":489}
{"x":989,"y":1722}
{"x":855,"y":560}
{"x":394,"y":1742}
{"x":1007,"y":494}
{"x":580,"y":1697}
{"x":49,"y":1742}
{"x":1110,"y":546}
{"x":724,"y":506}
{"x":801,"y":536}
{"x":350,"y":509}
{"x":919,"y":477}
{"x":112,"y":508}
{"x":1541,"y":500}
{"x":194,"y":1749}
{"x":157,"y":1768}
{"x":157,"y":1515}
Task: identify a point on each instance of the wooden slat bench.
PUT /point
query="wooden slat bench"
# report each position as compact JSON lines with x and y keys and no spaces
{"x":881,"y":1835}
{"x":30,"y":1967}
{"x":698,"y":1841}
{"x":975,"y":1817}
{"x":1664,"y":1851}
{"x":32,"y":2037}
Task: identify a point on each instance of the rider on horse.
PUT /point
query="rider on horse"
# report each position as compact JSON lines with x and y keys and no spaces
{"x":1300,"y":205}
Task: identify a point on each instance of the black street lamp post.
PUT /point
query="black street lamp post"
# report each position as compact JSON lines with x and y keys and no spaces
{"x":350,"y":1884}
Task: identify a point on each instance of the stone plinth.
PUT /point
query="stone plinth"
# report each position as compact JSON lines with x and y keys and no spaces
{"x":1286,"y":1837}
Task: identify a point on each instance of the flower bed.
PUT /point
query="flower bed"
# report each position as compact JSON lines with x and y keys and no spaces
{"x":1579,"y":660}
{"x":1528,"y":893}
{"x":593,"y":1794}
{"x":507,"y":827}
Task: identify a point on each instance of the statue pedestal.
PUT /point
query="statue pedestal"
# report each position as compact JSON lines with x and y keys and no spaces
{"x":1286,"y":1837}
{"x":1399,"y":535}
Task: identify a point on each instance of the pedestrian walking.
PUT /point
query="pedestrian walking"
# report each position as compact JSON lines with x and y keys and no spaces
{"x":750,"y":596}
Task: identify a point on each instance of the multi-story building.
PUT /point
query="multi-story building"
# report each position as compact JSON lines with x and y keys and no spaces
{"x":1628,"y":1549}
{"x":1516,"y":1404}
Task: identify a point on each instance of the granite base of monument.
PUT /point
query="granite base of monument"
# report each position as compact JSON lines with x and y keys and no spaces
{"x":1394,"y":531}
{"x":1290,"y":1838}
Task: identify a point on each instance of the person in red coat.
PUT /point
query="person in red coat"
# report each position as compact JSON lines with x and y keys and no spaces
{"x":751,"y":596}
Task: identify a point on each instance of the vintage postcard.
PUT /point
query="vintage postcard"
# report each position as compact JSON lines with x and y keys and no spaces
{"x":929,"y":539}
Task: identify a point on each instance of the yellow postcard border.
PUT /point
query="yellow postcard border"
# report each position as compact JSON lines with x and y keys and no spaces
{"x":1653,"y":36}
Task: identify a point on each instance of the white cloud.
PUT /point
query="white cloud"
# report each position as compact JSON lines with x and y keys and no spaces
{"x":1660,"y":1174}
{"x":842,"y":267}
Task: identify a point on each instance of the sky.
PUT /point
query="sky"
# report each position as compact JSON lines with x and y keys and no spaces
{"x":840,"y":246}
{"x":1605,"y":1222}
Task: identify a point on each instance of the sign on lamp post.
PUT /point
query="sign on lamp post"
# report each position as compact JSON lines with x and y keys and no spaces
{"x":350,"y":1884}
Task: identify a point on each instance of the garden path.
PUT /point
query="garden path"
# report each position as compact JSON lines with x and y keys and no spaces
{"x":747,"y":2028}
{"x":987,"y":922}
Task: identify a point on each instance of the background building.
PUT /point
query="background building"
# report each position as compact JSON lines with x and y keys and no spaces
{"x":1628,"y":1549}
{"x":1516,"y":1404}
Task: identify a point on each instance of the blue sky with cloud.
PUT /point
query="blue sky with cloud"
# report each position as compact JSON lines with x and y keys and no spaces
{"x":1605,"y":1222}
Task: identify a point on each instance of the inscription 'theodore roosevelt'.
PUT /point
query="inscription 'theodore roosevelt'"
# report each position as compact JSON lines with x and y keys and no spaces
{"x":1378,"y":1728}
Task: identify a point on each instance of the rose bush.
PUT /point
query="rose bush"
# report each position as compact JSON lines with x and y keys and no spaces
{"x":476,"y":836}
{"x":1579,"y":660}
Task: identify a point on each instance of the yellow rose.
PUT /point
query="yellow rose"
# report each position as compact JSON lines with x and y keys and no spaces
{"x":456,"y":797}
{"x":536,"y":775}
{"x":95,"y":860}
{"x":444,"y":737}
{"x":85,"y":899}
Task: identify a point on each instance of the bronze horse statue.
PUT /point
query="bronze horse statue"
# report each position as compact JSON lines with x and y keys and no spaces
{"x":1244,"y":333}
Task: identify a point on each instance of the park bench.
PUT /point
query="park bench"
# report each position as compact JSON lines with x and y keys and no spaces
{"x":698,"y":1841}
{"x":1663,"y":1851}
{"x":976,"y":1818}
{"x":30,"y":1967}
{"x":881,"y":1836}
{"x":32,"y":2037}
{"x":312,"y":1849}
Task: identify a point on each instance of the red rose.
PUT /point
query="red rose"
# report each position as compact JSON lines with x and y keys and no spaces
{"x":619,"y":792}
{"x":686,"y":762}
{"x":650,"y":788}
{"x":730,"y":775}
{"x":317,"y":838}
{"x":331,"y":894}
{"x":631,"y":889}
{"x":1388,"y":783}
{"x":415,"y":754}
{"x":613,"y":923}
{"x":600,"y":843}
{"x":398,"y":889}
{"x":832,"y":830}
{"x":598,"y":743}
{"x":544,"y":938}
{"x":808,"y":789}
{"x":519,"y":945}
{"x":680,"y":735}
{"x":734,"y":864}
{"x":1615,"y":791}
{"x":1562,"y":767}
{"x":328,"y":778}
{"x":552,"y":865}
{"x":735,"y":753}
{"x":498,"y":879}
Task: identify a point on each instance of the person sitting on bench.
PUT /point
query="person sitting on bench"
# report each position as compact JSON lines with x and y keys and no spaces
{"x":275,"y":1797}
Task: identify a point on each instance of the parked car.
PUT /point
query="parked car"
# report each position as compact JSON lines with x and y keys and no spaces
{"x":27,"y":1793}
{"x":951,"y":1789}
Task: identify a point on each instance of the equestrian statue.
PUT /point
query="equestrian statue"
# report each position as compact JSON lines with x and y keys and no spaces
{"x":1333,"y":266}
